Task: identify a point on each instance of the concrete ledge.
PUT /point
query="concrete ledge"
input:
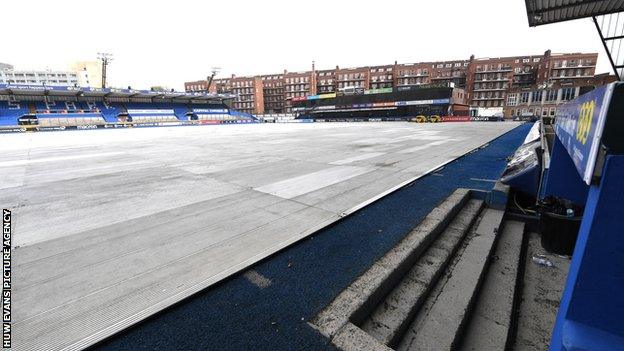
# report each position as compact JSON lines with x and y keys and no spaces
{"x":497,"y":198}
{"x":441,"y":325}
{"x":390,"y":318}
{"x":363,"y":295}
{"x":490,"y":324}
{"x":352,"y":338}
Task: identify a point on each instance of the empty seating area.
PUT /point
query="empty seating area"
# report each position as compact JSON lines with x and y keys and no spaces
{"x":10,"y":112}
{"x":30,"y":107}
{"x":143,"y":113}
{"x":211,"y":114}
{"x":61,"y":114}
{"x":70,"y":119}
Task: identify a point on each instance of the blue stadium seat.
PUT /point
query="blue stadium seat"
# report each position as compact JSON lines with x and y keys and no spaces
{"x":109,"y":111}
{"x":10,"y":112}
{"x":75,"y":113}
{"x":180,"y":111}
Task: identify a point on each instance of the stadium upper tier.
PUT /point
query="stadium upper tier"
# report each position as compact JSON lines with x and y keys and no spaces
{"x":35,"y":106}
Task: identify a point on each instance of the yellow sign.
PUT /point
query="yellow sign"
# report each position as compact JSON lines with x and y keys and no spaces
{"x":327,"y":96}
{"x":585,"y":120}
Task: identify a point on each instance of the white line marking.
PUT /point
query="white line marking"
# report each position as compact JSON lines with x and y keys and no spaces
{"x":357,"y":158}
{"x":484,"y":180}
{"x":306,"y":183}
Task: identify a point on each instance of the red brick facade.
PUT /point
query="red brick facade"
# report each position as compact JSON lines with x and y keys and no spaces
{"x":486,"y":81}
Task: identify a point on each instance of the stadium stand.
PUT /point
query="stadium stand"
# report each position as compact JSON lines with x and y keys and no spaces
{"x":10,"y":112}
{"x":404,"y":103}
{"x":37,"y":107}
{"x":109,"y":112}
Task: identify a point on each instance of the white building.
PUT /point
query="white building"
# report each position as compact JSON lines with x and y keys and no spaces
{"x":82,"y":74}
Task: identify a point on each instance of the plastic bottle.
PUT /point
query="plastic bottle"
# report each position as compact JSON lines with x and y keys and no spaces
{"x":541,"y":260}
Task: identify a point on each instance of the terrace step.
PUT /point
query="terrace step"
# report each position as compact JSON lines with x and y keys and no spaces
{"x":391,"y":317}
{"x":360,"y":299}
{"x":491,"y":324}
{"x":440,"y":321}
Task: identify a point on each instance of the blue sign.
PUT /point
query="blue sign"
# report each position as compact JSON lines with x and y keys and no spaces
{"x":579,"y":126}
{"x":37,"y":87}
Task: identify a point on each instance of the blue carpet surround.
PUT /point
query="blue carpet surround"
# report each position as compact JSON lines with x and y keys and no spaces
{"x":293,"y":285}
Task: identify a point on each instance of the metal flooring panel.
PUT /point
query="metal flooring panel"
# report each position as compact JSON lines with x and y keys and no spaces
{"x":115,"y":225}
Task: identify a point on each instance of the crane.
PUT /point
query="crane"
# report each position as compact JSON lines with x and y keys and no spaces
{"x":209,"y":79}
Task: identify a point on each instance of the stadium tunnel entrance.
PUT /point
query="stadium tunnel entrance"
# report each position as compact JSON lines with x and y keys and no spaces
{"x":28,"y":121}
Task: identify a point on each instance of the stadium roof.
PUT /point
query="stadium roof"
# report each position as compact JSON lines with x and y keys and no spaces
{"x":23,"y":89}
{"x":552,"y":11}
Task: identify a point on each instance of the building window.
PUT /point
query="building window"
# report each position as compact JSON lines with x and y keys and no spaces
{"x":537,"y":97}
{"x":567,"y":94}
{"x":551,"y":95}
{"x":512,"y":99}
{"x":524,"y":97}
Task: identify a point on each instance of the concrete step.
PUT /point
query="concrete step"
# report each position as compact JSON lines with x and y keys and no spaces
{"x":439,"y":323}
{"x":491,"y":323}
{"x":355,"y":303}
{"x":389,"y":320}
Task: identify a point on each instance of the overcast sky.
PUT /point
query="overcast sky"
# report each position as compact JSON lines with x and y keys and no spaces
{"x":168,"y":42}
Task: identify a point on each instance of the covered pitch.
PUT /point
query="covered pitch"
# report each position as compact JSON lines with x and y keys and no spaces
{"x":112,"y":226}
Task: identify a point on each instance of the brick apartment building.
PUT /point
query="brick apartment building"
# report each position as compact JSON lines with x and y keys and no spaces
{"x":325,"y":81}
{"x":297,"y":84}
{"x":250,"y":93}
{"x":273,"y":92}
{"x":542,"y":100}
{"x":487,"y":81}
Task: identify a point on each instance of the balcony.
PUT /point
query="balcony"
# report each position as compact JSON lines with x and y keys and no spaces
{"x":572,"y":77}
{"x":502,"y":69}
{"x":487,"y":98}
{"x":448,"y":78}
{"x":490,"y":89}
{"x":352,"y":80}
{"x":506,"y":79}
{"x":577,"y":66}
{"x":414,"y":75}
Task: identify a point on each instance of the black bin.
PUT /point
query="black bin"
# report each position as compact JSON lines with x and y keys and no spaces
{"x":558,"y":230}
